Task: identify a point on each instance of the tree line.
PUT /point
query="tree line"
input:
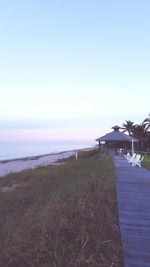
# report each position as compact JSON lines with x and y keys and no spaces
{"x":139,"y":131}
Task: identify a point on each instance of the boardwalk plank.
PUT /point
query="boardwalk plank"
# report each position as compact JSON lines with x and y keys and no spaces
{"x":133,"y":195}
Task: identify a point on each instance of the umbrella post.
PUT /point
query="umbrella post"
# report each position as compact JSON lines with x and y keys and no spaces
{"x":132,"y":147}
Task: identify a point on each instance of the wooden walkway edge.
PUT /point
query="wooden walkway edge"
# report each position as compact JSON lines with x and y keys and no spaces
{"x":133,"y":196}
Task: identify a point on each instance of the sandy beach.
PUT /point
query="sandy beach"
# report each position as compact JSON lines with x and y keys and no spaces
{"x":17,"y":165}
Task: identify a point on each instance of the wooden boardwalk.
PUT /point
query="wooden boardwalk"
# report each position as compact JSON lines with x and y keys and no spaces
{"x":133,"y":194}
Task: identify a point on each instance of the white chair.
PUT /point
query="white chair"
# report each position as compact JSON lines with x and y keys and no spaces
{"x":138,"y":160}
{"x":128,"y":156}
{"x":132,"y":159}
{"x":135,"y":160}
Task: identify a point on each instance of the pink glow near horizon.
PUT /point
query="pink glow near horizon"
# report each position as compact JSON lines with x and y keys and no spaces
{"x":48,"y":134}
{"x":59,"y":130}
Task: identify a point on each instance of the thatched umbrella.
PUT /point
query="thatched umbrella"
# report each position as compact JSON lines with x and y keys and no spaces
{"x":117,"y":137}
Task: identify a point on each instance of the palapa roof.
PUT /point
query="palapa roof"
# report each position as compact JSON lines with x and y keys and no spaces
{"x":117,"y":136}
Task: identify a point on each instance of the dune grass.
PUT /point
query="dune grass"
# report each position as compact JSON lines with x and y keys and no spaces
{"x":61,"y":216}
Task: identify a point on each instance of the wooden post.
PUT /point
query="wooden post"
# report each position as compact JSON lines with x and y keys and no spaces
{"x":76,"y":155}
{"x":132,"y":147}
{"x":99,"y":145}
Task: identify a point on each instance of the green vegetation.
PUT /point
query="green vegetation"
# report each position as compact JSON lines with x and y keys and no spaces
{"x":140,"y":131}
{"x":146,"y":162}
{"x":61,"y":216}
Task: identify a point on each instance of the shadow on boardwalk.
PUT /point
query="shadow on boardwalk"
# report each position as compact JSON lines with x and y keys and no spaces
{"x":133,"y":193}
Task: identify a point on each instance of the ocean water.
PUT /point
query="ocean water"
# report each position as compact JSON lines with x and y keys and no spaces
{"x":32,"y":137}
{"x":11,"y":150}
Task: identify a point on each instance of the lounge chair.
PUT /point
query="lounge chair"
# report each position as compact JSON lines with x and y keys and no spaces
{"x":132,"y":159}
{"x":137,"y":161}
{"x":128,"y":156}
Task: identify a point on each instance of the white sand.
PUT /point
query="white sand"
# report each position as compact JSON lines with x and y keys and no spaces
{"x":11,"y":166}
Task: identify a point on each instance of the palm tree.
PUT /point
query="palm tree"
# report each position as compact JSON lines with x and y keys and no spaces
{"x":140,"y":131}
{"x":147,"y":122}
{"x":128,"y":127}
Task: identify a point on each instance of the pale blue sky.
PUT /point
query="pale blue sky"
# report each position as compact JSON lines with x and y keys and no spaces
{"x":74,"y":59}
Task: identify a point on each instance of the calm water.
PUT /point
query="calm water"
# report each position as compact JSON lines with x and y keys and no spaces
{"x":9,"y":150}
{"x":31,"y":137}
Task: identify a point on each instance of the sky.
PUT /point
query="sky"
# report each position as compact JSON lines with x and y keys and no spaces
{"x":82,"y":65}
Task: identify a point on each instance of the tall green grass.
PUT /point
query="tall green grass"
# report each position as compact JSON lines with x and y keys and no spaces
{"x":146,"y":162}
{"x":61,"y":216}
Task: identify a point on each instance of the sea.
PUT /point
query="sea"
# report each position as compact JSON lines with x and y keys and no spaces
{"x":27,"y":137}
{"x":13,"y":150}
{"x":33,"y":137}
